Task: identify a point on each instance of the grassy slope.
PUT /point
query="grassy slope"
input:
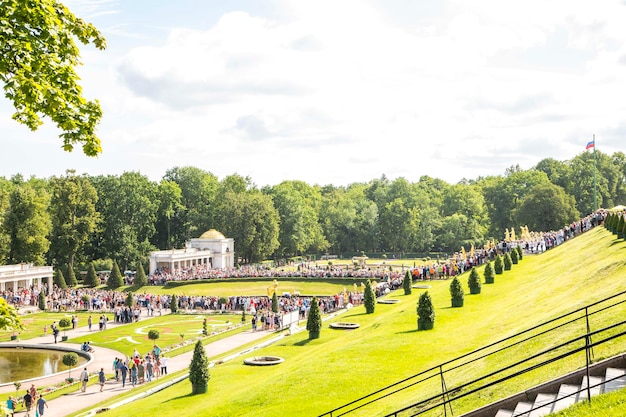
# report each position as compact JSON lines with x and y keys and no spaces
{"x":340,"y":366}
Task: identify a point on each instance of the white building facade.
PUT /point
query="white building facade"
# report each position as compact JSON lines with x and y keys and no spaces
{"x":14,"y":277}
{"x":211,"y":250}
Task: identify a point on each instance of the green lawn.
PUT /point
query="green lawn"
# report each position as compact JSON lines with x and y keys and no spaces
{"x":173,"y":330}
{"x":33,"y":323}
{"x":321,"y":374}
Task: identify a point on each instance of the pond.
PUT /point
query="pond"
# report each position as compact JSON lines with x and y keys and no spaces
{"x":18,"y":364}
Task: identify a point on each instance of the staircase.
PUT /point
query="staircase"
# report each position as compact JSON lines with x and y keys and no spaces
{"x":555,"y":395}
{"x":568,"y":394}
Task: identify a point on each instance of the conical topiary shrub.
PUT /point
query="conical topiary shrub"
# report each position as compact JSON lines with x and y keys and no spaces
{"x":456,"y":293}
{"x":425,"y":312}
{"x":406,"y":283}
{"x":41,"y":301}
{"x":140,"y":279}
{"x":174,"y":304}
{"x":490,"y":276}
{"x":59,"y":279}
{"x":314,"y":321}
{"x":274,"y":303}
{"x":514,"y":256}
{"x":498,"y":265}
{"x":508,"y":263}
{"x":115,"y":278}
{"x":369,"y":298}
{"x":70,"y":278}
{"x":520,"y":253}
{"x":199,"y":370}
{"x":91,"y":280}
{"x":474,"y":281}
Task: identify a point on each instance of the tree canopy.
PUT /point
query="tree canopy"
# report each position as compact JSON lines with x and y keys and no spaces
{"x":37,"y":68}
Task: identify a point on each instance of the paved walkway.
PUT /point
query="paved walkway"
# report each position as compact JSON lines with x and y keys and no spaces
{"x":103,"y":358}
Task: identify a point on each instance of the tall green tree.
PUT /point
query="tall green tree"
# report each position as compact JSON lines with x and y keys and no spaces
{"x":298,"y":205}
{"x":37,"y":68}
{"x":198,"y":190}
{"x":73,"y":214}
{"x":170,"y":208}
{"x":27,"y":224}
{"x":546,"y":207}
{"x":250,"y":218}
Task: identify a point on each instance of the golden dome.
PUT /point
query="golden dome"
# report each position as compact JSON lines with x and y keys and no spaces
{"x":212,"y":234}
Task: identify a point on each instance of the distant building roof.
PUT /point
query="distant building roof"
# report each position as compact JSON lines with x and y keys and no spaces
{"x":212,"y":234}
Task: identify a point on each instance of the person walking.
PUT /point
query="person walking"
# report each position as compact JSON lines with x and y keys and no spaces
{"x":11,"y":406}
{"x":84,"y":379}
{"x":41,"y":405}
{"x":123,"y":370}
{"x":28,"y":402}
{"x":164,"y":365}
{"x":101,"y":379}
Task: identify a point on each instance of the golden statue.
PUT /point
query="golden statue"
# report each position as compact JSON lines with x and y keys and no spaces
{"x":472,"y":251}
{"x":512,"y":233}
{"x":463,"y":254}
{"x":507,"y":237}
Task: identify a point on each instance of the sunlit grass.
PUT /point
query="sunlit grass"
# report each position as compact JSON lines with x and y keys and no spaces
{"x":321,"y":374}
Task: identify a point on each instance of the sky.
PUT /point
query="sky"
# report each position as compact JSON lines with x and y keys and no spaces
{"x":342,"y":91}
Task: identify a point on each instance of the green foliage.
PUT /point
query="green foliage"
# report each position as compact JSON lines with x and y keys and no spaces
{"x":314,"y":320}
{"x":64,"y":323}
{"x":520,"y":252}
{"x":456,"y":292}
{"x":489,"y":273}
{"x":407,"y":283}
{"x":37,"y":68}
{"x":9,"y":317}
{"x":140,"y":279}
{"x":199,"y":366}
{"x":620,"y":227}
{"x":546,"y":207}
{"x":153,"y":334}
{"x":369,"y":298}
{"x":498,"y":265}
{"x":174,"y":304}
{"x":425,"y":309}
{"x":205,"y":330}
{"x":59,"y":279}
{"x":508,"y":262}
{"x":71,"y":276}
{"x":474,"y":281}
{"x":514,"y":256}
{"x":91,"y":280}
{"x":129,"y":301}
{"x":70,"y":360}
{"x":41,"y":301}
{"x":115,"y":277}
{"x":274,"y":303}
{"x":243,"y":316}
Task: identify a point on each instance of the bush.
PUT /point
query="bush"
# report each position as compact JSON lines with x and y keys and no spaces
{"x":274,"y":303}
{"x":498,"y":265}
{"x":140,"y":279}
{"x":153,"y":334}
{"x":508,"y":262}
{"x":41,"y":301}
{"x":489,"y":274}
{"x":514,"y":256}
{"x":199,"y":369}
{"x":314,"y":321}
{"x":474,"y":281}
{"x":205,"y":330}
{"x":115,"y":278}
{"x":425,"y":312}
{"x":174,"y":304}
{"x":59,"y":279}
{"x":456,"y":293}
{"x":130,"y":300}
{"x":91,"y":280}
{"x":71,"y":276}
{"x":406,"y":283}
{"x":369,"y":298}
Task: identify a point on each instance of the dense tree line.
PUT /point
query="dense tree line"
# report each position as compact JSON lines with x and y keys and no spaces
{"x":74,"y":219}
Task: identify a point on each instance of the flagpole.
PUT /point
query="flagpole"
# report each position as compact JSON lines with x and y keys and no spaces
{"x":595,"y":204}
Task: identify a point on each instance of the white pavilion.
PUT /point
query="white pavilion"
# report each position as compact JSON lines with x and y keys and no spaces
{"x":210,"y":250}
{"x":13,"y":277}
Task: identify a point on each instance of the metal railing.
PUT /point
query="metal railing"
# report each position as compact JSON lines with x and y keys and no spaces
{"x":565,"y":336}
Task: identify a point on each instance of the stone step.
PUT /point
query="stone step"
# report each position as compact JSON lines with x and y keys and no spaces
{"x":595,"y":384}
{"x":615,"y":384}
{"x":543,"y":405}
{"x":504,"y":413}
{"x":522,"y":408}
{"x":567,"y":396}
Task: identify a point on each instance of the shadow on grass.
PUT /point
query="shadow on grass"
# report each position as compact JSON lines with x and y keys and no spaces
{"x":408,"y":331}
{"x":181,"y":397}
{"x":303,"y":342}
{"x":356,"y":314}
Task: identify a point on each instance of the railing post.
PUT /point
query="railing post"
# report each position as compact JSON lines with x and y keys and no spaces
{"x":444,"y":393}
{"x":588,"y":355}
{"x":588,"y":330}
